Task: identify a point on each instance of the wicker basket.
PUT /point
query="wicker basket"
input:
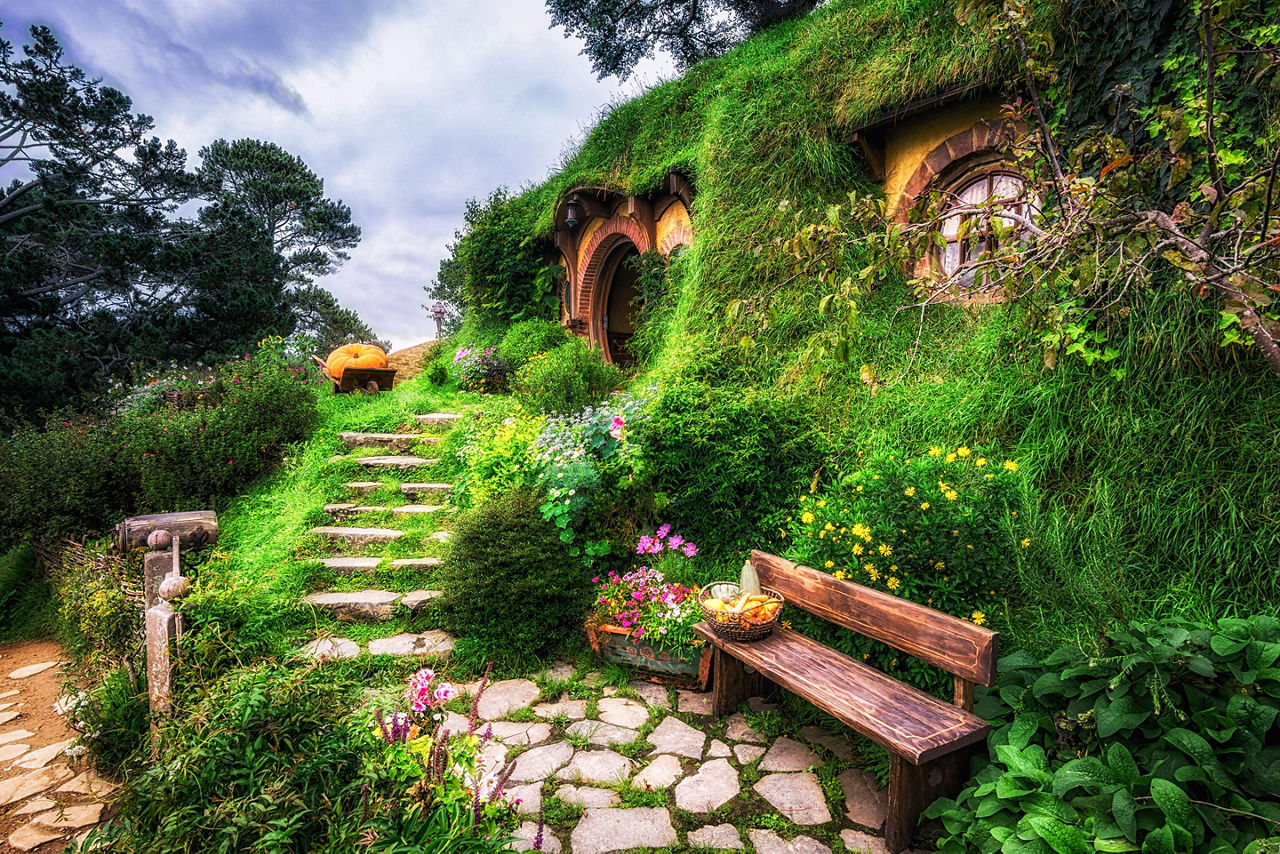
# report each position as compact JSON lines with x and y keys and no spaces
{"x":738,"y":627}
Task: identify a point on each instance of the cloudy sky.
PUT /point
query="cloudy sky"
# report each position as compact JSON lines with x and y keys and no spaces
{"x":405,"y":107}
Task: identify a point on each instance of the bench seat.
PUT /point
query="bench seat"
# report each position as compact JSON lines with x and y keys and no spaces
{"x":899,"y":717}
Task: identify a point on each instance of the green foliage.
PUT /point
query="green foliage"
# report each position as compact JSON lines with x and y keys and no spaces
{"x":100,"y":610}
{"x":269,"y":759}
{"x":25,"y":606}
{"x":1166,"y":740}
{"x":114,"y":722}
{"x":492,"y":451}
{"x":442,"y":829}
{"x":566,"y":379}
{"x":510,"y":585}
{"x":528,"y":337}
{"x":78,"y":475}
{"x":727,"y":459}
{"x":502,"y":274}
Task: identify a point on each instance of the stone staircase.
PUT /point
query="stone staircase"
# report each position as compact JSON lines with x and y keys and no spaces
{"x":358,"y":547}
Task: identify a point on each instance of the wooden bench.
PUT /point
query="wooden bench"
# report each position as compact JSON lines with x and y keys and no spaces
{"x":929,"y":741}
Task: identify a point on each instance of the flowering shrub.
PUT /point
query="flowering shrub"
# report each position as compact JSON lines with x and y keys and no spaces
{"x":495,"y":451}
{"x":565,"y":379}
{"x":936,"y":529}
{"x":481,"y":370}
{"x":654,"y":610}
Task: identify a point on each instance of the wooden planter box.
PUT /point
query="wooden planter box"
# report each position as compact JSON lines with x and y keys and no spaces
{"x":688,"y":666}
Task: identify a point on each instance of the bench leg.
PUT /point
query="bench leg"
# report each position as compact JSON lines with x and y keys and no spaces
{"x":730,"y":683}
{"x":912,"y":788}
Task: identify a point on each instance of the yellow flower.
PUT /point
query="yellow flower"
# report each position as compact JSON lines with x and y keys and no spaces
{"x":885,"y":549}
{"x":857,"y":548}
{"x":804,"y":498}
{"x":822,"y":503}
{"x":1026,"y":542}
{"x":859,"y":489}
{"x":869,"y":567}
{"x":978,"y":618}
{"x":989,"y":476}
{"x":862,"y":531}
{"x":951,"y":458}
{"x":935,"y":451}
{"x":841,"y":574}
{"x":980,"y":462}
{"x":829,"y":527}
{"x":910,"y":491}
{"x":893,"y":584}
{"x":924,"y":506}
{"x":829,"y":564}
{"x":807,"y":518}
{"x":784,"y":533}
{"x":1010,"y":465}
{"x":951,"y":494}
{"x":894,"y":568}
{"x":962,"y":451}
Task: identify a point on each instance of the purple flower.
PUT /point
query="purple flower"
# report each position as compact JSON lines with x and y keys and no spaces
{"x":689,"y":550}
{"x":675,"y":541}
{"x":664,"y":530}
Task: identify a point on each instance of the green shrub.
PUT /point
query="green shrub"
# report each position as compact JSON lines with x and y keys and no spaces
{"x":528,"y":337}
{"x":24,"y":596}
{"x":75,"y":474}
{"x":269,"y":760}
{"x":1168,"y":740}
{"x":511,"y":587}
{"x":113,"y":719}
{"x":100,"y":606}
{"x":565,"y":380}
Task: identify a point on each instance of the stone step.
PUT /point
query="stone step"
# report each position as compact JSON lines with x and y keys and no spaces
{"x":358,"y":536}
{"x":416,"y":489}
{"x":432,"y":644}
{"x":364,"y":487}
{"x":360,"y":605}
{"x":351,"y":508}
{"x":392,"y":462}
{"x":440,"y":537}
{"x":398,"y":441}
{"x":439,"y":419}
{"x":351,"y":565}
{"x":330,"y":649}
{"x":416,"y":509}
{"x":418,"y":598}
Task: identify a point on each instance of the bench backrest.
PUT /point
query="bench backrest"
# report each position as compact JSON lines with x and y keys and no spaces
{"x":957,"y":646}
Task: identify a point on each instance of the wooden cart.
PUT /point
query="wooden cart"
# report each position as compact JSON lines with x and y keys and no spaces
{"x":366,"y":380}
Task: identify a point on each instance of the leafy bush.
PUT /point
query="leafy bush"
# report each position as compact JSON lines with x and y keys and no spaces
{"x":1169,"y":741}
{"x":565,"y":380}
{"x":76,"y":474}
{"x":493,"y":451}
{"x":528,"y":337}
{"x":100,"y":606}
{"x":113,"y":720}
{"x":269,"y":760}
{"x":512,"y":588}
{"x":24,"y":595}
{"x":500,"y":270}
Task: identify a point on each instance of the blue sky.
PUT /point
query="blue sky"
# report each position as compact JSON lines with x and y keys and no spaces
{"x":405,"y":107}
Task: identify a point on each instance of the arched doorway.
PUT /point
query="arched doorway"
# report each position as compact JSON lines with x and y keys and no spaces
{"x":618,"y":308}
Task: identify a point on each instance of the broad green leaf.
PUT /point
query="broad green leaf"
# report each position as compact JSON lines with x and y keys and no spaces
{"x":1159,"y":842}
{"x":1120,"y":760}
{"x":1062,"y":838}
{"x":1122,"y":714}
{"x":1174,"y":803}
{"x":1124,"y":810}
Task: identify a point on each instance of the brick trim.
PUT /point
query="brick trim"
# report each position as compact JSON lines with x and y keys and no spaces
{"x":677,"y":237}
{"x":984,"y":136}
{"x":592,"y":262}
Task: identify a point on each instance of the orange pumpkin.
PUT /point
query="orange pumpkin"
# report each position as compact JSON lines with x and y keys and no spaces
{"x":355,"y":356}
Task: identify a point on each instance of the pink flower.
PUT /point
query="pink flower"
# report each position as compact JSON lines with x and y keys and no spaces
{"x":444,"y":692}
{"x":664,"y":530}
{"x":689,"y":550}
{"x":675,"y":542}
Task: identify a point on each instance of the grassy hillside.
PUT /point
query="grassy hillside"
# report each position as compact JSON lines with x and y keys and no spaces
{"x":1152,"y":484}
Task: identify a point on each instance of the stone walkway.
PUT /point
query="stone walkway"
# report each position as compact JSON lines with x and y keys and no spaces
{"x":46,"y":799}
{"x":391,"y":457}
{"x":623,"y":771}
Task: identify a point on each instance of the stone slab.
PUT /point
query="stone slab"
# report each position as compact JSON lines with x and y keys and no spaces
{"x":653,"y":695}
{"x":35,"y":806}
{"x":19,"y":788}
{"x":675,"y":736}
{"x":839,"y":746}
{"x":31,"y":836}
{"x":715,"y":784}
{"x":799,"y":797}
{"x":71,"y":817}
{"x":659,"y":774}
{"x":541,"y":762}
{"x":574,"y":710}
{"x":439,"y":419}
{"x":440,"y":537}
{"x":15,"y":735}
{"x":748,"y":753}
{"x":358,"y":536}
{"x":13,"y":751}
{"x":325,"y":649}
{"x":863,"y":843}
{"x":383,"y":440}
{"x":416,"y":509}
{"x":718,"y":750}
{"x":518,"y":734}
{"x":7,"y":694}
{"x":364,"y":487}
{"x":426,"y":488}
{"x":597,"y":766}
{"x":32,"y":669}
{"x":719,"y":837}
{"x":693,"y":702}
{"x":418,"y":598}
{"x":768,"y":842}
{"x":603,"y":830}
{"x":88,"y":783}
{"x":359,"y":605}
{"x":435,"y":643}
{"x":865,"y":803}
{"x":739,"y":730}
{"x":622,"y":712}
{"x":529,"y":797}
{"x":6,"y":717}
{"x":601,"y":733}
{"x":416,"y":563}
{"x":502,"y":698}
{"x":588,"y":797}
{"x":42,"y":757}
{"x":394,"y":462}
{"x":350,"y":565}
{"x":787,"y":755}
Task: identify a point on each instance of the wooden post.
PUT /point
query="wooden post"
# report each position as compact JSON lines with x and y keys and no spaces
{"x":731,"y":683}
{"x":196,"y":529}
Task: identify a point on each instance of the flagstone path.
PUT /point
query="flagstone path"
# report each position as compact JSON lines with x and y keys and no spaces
{"x":690,"y":771}
{"x":47,"y":798}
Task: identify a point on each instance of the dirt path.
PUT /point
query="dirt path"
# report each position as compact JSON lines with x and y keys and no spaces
{"x":408,"y":361}
{"x":47,"y":798}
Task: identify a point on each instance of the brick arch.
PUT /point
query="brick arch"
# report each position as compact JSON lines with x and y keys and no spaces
{"x":974,"y":146}
{"x":591,"y":292}
{"x":679,"y":236}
